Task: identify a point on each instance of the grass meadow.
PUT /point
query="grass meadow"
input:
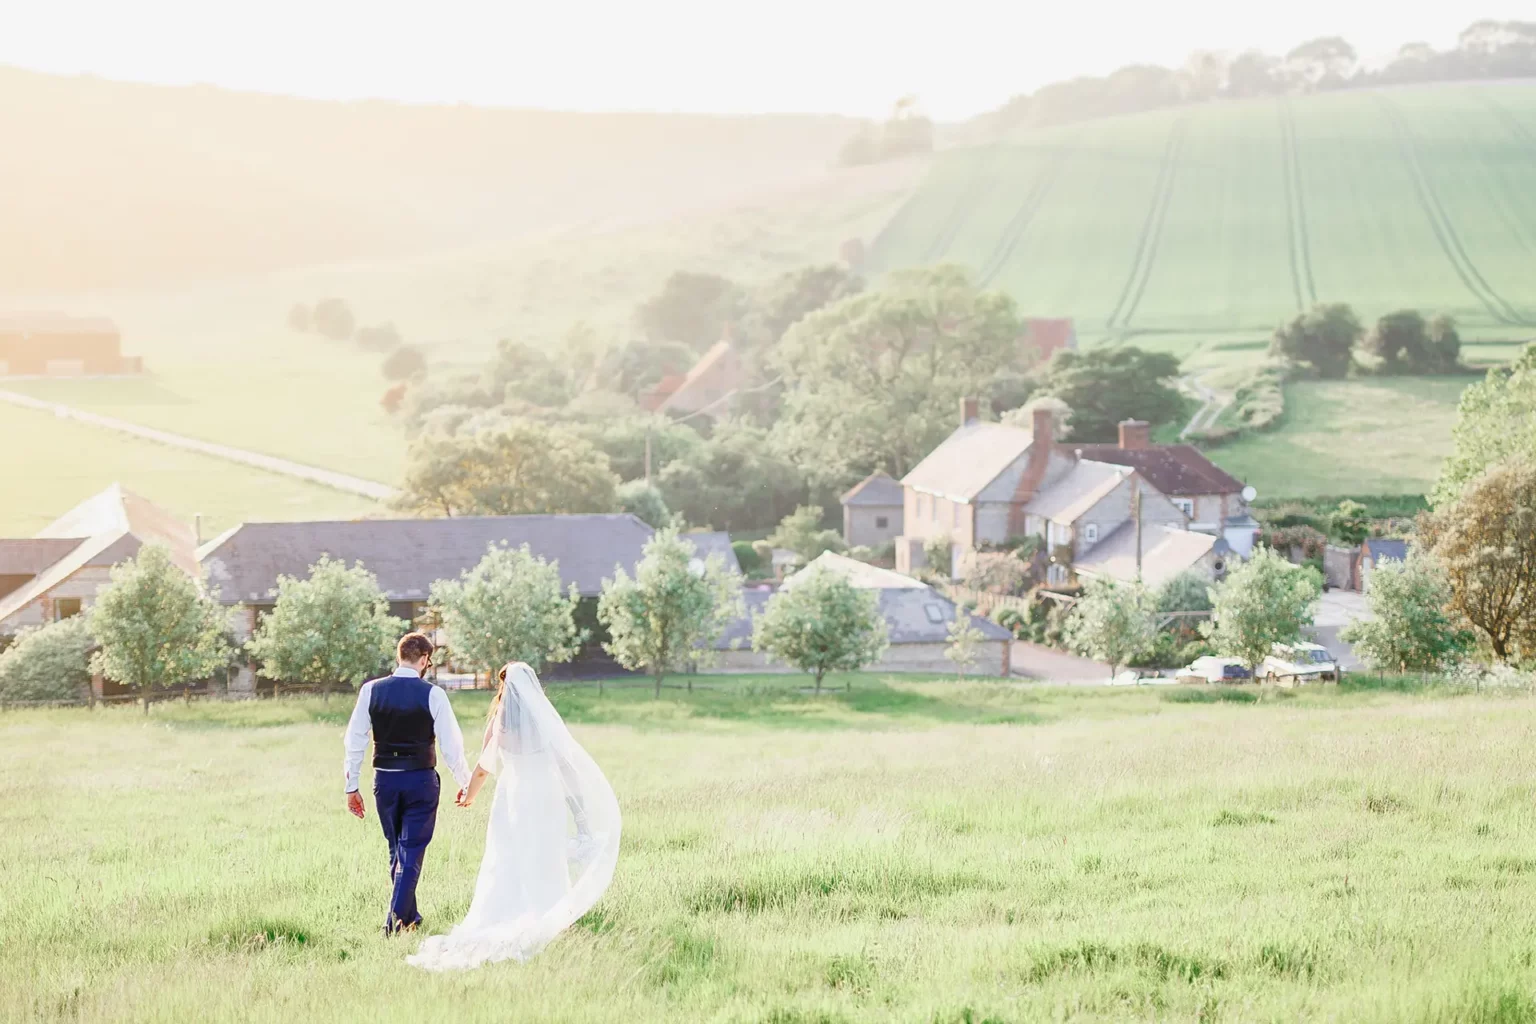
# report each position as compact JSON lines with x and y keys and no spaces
{"x":906,"y":850}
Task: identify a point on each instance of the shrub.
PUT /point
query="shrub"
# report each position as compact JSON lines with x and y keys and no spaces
{"x":405,"y":363}
{"x":333,"y":318}
{"x":1195,"y":649}
{"x":644,"y":501}
{"x":48,"y":663}
{"x":747,"y":556}
{"x":382,"y":338}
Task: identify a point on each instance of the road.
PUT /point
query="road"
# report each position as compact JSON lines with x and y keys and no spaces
{"x":270,"y":463}
{"x":1333,"y":613}
{"x":1048,"y":665}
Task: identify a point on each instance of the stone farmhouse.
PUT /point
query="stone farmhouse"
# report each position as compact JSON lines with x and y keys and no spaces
{"x":917,"y":620}
{"x":55,"y":345}
{"x":989,"y":482}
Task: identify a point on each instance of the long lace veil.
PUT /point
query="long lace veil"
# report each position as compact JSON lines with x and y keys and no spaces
{"x":522,"y":900}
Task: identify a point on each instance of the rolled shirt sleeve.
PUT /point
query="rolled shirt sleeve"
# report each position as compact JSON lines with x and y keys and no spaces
{"x":355,"y":740}
{"x":449,"y":738}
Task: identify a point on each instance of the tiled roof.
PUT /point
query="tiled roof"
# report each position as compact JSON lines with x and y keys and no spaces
{"x":409,"y":555}
{"x":1175,"y":469}
{"x":1165,"y":552}
{"x":721,"y":361}
{"x":1083,"y":487}
{"x":875,"y":489}
{"x":1387,"y":547}
{"x":969,"y":459}
{"x":31,"y":555}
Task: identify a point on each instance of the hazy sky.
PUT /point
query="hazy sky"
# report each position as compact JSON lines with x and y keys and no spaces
{"x":960,"y":57}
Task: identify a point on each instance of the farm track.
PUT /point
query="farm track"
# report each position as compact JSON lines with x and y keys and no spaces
{"x":1444,"y":230}
{"x":1303,"y":287}
{"x":1014,"y":230}
{"x":1151,"y":229}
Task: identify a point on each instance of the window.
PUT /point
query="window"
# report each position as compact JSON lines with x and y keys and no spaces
{"x":933,"y":509}
{"x":1056,"y":574}
{"x":955,"y":509}
{"x":881,"y":522}
{"x":1186,"y":505}
{"x":66,"y":607}
{"x":935,"y":612}
{"x":1091,"y":533}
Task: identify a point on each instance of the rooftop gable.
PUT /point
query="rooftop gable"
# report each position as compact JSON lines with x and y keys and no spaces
{"x":969,"y":459}
{"x":1181,"y":470}
{"x":876,"y":489}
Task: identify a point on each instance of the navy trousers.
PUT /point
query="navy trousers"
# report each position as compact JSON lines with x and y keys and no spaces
{"x":407,"y":803}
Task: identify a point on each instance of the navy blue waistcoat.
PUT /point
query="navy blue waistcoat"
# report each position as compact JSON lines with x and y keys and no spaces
{"x":400,"y":711}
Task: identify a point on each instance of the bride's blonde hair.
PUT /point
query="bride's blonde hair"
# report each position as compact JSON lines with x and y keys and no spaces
{"x":501,"y":688}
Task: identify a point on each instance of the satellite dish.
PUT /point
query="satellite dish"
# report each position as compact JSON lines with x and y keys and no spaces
{"x":1249,"y":493}
{"x":696,"y":566}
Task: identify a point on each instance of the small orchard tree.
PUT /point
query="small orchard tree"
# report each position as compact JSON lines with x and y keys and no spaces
{"x":667,"y":616}
{"x":821,"y":623}
{"x":643,"y":500}
{"x":1410,"y":631}
{"x":154,"y":626}
{"x":802,"y":533}
{"x":332,"y":627}
{"x":509,"y":607}
{"x":1350,"y":523}
{"x":1112,"y":622}
{"x":51,"y":662}
{"x":1189,"y":591}
{"x":964,"y":643}
{"x":1265,"y":601}
{"x":1486,"y":542}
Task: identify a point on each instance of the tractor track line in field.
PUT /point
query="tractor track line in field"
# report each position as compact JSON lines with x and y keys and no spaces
{"x":964,"y":204}
{"x":1445,"y":231}
{"x":1151,"y":230}
{"x":1303,"y":286}
{"x":1014,"y":230}
{"x":1526,"y":138}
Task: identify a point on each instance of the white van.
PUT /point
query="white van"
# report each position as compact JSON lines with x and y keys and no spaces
{"x":1299,"y":663}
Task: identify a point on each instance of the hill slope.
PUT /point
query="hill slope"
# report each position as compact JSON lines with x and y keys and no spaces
{"x":108,"y":184}
{"x":1225,"y":218}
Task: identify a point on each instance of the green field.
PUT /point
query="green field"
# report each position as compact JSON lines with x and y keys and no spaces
{"x":909,"y":851}
{"x":1204,"y":224}
{"x":52,"y":464}
{"x":1385,"y":435}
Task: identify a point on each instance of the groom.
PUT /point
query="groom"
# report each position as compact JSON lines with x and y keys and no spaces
{"x":405,"y":714}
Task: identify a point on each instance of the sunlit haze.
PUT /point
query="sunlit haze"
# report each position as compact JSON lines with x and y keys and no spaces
{"x":852,"y":57}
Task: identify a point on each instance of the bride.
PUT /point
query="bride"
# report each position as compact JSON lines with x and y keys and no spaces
{"x":537,"y":878}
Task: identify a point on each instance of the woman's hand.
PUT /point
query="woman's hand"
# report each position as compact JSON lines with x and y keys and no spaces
{"x":466,"y":797}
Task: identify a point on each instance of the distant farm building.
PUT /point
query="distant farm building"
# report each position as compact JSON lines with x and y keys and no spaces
{"x":707,"y":386}
{"x":56,"y":345}
{"x":1045,"y":336}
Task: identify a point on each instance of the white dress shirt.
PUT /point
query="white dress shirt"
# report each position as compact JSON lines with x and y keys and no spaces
{"x":444,"y":725}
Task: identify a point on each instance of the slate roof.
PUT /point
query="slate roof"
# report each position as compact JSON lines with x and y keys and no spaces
{"x":409,"y":555}
{"x":969,"y":459}
{"x":913,"y":615}
{"x":877,"y":489}
{"x":1175,"y":469}
{"x":1165,"y":552}
{"x":1387,"y":547}
{"x":1083,"y":487}
{"x":713,"y":542}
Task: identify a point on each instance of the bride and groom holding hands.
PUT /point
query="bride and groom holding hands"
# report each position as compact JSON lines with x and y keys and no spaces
{"x":552,"y":837}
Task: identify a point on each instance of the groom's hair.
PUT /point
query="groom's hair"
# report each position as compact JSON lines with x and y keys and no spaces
{"x":413,"y":647}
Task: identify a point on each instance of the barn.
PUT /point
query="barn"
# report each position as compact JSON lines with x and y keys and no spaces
{"x":58,"y":345}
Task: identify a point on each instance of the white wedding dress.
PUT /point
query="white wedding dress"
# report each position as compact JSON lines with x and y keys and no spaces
{"x":537,"y":877}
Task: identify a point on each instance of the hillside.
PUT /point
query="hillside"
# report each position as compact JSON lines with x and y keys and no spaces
{"x":121,"y":184}
{"x":1204,"y":223}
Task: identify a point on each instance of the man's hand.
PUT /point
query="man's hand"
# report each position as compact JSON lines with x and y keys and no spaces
{"x":355,"y":803}
{"x":464,"y":799}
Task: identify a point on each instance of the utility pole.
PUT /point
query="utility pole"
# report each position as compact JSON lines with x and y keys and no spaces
{"x":1136,"y":511}
{"x":647,"y":455}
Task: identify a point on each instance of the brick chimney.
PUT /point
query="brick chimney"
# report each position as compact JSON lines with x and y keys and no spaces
{"x":1037,"y":462}
{"x":1135,"y":434}
{"x":970,"y":411}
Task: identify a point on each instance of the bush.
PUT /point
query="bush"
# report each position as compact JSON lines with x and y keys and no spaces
{"x":644,"y":501}
{"x":747,"y":556}
{"x":333,"y":318}
{"x":1165,"y":651}
{"x":382,"y":338}
{"x":48,"y":663}
{"x":1195,"y":649}
{"x":405,"y":363}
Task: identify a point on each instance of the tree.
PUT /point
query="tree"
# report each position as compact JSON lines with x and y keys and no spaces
{"x":300,"y":318}
{"x":1401,"y":341}
{"x":154,"y":627}
{"x":1485,"y":542}
{"x":1444,"y":344}
{"x":801,"y":532}
{"x":333,"y":318}
{"x":695,"y":309}
{"x":1323,"y":337}
{"x":1112,"y":622}
{"x":384,"y":337}
{"x":794,"y":295}
{"x":1495,"y":420}
{"x":51,"y":662}
{"x":964,"y":641}
{"x":995,"y":572}
{"x":669,"y":614}
{"x":504,"y":467}
{"x":1350,"y":523}
{"x":509,"y":607}
{"x":1252,"y":73}
{"x":526,"y":375}
{"x":1189,"y":591}
{"x":735,"y":480}
{"x":820,"y":623}
{"x":1264,"y":601}
{"x":644,"y":501}
{"x":874,"y":379}
{"x":1102,"y":386}
{"x":1323,"y":62}
{"x":392,"y":399}
{"x":331,"y":627}
{"x":1410,"y":630}
{"x":1024,"y":415}
{"x":405,"y":363}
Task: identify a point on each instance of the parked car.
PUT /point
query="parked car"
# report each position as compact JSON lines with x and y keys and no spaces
{"x":1299,"y":663}
{"x":1212,"y":669}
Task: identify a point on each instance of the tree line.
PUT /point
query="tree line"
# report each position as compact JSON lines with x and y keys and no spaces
{"x":1487,"y":49}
